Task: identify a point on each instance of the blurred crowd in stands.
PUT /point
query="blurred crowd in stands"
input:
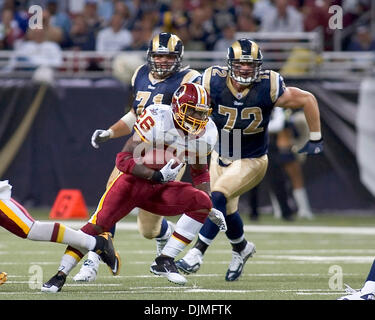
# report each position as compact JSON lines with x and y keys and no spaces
{"x":117,"y":25}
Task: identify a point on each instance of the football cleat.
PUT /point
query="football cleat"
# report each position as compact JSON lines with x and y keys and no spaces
{"x":357,"y":295}
{"x":3,"y":277}
{"x":191,"y":262}
{"x":55,"y":283}
{"x":104,"y":248}
{"x":238,"y":262}
{"x":161,"y":242}
{"x":165,"y":266}
{"x":88,"y":271}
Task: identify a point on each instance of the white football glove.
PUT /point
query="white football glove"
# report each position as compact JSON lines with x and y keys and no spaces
{"x":217,"y":217}
{"x":169,"y":173}
{"x":100,"y":136}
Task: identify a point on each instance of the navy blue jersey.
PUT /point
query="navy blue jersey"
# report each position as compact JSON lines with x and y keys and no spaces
{"x":147,"y":90}
{"x":242,"y":118}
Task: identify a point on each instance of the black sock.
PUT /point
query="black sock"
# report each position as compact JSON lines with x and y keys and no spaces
{"x":238,"y":247}
{"x":201,"y":246}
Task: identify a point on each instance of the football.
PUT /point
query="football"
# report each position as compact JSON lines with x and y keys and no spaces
{"x":158,"y":158}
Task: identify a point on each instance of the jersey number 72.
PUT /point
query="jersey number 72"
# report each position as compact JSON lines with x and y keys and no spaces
{"x":246,"y":113}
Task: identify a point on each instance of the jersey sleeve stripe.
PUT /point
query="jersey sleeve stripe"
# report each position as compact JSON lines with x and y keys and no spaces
{"x":135,"y":74}
{"x":191,"y":76}
{"x":274,"y":92}
{"x":141,"y":135}
{"x":206,"y":79}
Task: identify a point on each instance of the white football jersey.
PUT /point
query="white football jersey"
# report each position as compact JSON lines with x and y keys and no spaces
{"x":156,"y":125}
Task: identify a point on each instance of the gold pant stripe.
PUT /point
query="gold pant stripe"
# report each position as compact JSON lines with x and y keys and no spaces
{"x":100,"y":205}
{"x":73,"y":254}
{"x":60,"y":234}
{"x":14,"y":217}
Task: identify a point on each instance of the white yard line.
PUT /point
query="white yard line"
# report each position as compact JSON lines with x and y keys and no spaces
{"x":154,"y":290}
{"x":260,"y":229}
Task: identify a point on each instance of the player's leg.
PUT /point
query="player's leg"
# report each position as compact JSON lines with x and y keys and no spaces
{"x":225,"y":195}
{"x":293,"y":168}
{"x":17,"y":220}
{"x":368,"y":290}
{"x":152,"y":226}
{"x":90,"y":266}
{"x":177,"y":198}
{"x":276,"y":181}
{"x":116,"y":202}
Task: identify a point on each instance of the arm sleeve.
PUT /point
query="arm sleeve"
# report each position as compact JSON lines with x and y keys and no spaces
{"x":129,"y":119}
{"x":125,"y":162}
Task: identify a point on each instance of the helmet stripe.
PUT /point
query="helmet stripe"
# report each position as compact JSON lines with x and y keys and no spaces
{"x":203,"y":95}
{"x":254,"y":50}
{"x":155,"y":43}
{"x":172,"y":42}
{"x":237,"y":50}
{"x":199,"y":93}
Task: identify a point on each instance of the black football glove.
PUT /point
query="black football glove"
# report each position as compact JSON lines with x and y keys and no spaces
{"x":100,"y":136}
{"x":312,"y":147}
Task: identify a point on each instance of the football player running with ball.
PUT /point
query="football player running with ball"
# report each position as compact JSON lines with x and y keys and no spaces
{"x":152,"y":83}
{"x":185,"y":130}
{"x":242,"y":98}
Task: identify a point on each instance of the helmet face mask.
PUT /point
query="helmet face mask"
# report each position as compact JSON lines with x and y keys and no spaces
{"x":164,"y":64}
{"x":190,"y":105}
{"x":244,"y":72}
{"x":164,"y":54}
{"x":244,"y":61}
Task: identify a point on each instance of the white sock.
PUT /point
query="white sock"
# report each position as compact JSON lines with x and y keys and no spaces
{"x":57,"y":232}
{"x":369,"y":287}
{"x":302,"y":200}
{"x":167,"y":233}
{"x":67,"y":263}
{"x":205,"y":240}
{"x":185,"y":231}
{"x":275,"y":206}
{"x":239,"y":240}
{"x":93,"y":257}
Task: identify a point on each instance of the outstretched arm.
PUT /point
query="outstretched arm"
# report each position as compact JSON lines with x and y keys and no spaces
{"x":297,"y":98}
{"x":122,"y":127}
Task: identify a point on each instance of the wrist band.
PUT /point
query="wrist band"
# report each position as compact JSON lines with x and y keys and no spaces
{"x":315,"y":136}
{"x":111,"y":133}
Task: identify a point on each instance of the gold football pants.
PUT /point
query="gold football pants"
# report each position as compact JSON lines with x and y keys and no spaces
{"x":237,"y":178}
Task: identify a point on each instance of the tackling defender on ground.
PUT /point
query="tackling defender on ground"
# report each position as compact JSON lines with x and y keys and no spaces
{"x":17,"y":220}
